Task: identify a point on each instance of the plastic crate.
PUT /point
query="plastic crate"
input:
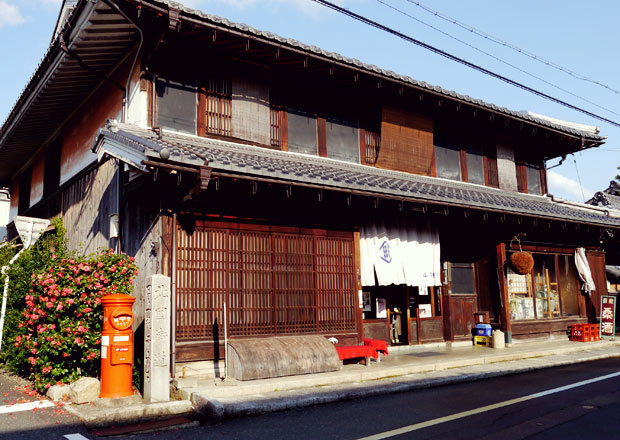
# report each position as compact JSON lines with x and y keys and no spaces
{"x":483,"y":329}
{"x":577,"y":333}
{"x":482,"y":341}
{"x":585,"y":332}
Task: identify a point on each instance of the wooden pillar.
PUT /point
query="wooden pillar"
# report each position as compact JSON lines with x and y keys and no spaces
{"x":503,"y":291}
{"x":358,"y":284}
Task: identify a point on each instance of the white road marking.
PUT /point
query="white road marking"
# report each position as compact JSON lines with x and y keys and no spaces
{"x":421,"y":425}
{"x":75,"y":437}
{"x":25,"y":406}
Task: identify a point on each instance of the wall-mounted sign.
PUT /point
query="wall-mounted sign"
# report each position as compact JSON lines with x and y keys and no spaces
{"x":381,"y":309}
{"x":366,"y":302}
{"x":425,"y":311}
{"x":608,"y":316}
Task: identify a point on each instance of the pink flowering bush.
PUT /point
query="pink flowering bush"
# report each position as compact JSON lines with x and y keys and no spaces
{"x":59,"y":335}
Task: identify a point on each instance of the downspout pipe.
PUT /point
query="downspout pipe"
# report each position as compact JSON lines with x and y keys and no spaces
{"x":6,"y":281}
{"x":5,"y":293}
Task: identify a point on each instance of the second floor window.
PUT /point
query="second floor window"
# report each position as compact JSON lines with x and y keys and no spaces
{"x":218,"y":97}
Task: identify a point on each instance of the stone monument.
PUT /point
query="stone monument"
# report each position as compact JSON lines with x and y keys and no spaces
{"x":157,"y":311}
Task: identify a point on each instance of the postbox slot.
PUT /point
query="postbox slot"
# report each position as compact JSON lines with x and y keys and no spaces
{"x":121,"y":354}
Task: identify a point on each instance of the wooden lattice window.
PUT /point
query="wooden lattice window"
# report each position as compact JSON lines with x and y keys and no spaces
{"x":278,"y":127}
{"x":273,"y":282}
{"x":521,"y":178}
{"x":218,"y":107}
{"x":370,"y":143}
{"x":490,"y":171}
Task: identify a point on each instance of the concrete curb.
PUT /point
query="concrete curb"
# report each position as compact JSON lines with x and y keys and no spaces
{"x":352,"y":377}
{"x":96,"y":417}
{"x":224,"y":408}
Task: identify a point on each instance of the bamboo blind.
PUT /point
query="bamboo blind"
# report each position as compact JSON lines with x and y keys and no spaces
{"x":406,"y":142}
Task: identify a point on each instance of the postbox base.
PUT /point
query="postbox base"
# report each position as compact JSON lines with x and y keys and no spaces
{"x":118,"y":402}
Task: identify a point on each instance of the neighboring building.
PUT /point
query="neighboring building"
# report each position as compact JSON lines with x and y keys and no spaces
{"x":307,"y":192}
{"x":608,"y":198}
{"x":5,"y":204}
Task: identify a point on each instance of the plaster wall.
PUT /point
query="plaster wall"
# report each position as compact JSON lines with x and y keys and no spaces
{"x":82,"y":129}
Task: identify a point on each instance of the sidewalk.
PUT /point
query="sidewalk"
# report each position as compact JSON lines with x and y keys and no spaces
{"x":406,"y":368}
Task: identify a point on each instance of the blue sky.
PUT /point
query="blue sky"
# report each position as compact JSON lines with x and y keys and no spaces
{"x":580,"y":36}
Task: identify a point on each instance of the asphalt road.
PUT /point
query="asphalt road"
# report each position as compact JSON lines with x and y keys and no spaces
{"x":585,"y":411}
{"x":576,"y":402}
{"x":21,"y":419}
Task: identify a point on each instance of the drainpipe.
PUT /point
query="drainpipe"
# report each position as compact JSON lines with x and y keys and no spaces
{"x":28,"y":241}
{"x":173,"y":296}
{"x":5,"y":293}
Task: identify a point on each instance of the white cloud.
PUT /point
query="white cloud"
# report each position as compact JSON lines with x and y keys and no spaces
{"x":565,"y":187}
{"x":9,"y":15}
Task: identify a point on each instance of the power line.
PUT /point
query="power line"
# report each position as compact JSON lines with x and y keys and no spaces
{"x":496,"y":58}
{"x":501,"y":42}
{"x":579,"y":180}
{"x":461,"y":60}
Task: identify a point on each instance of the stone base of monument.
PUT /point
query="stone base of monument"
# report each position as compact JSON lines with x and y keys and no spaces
{"x":118,"y":402}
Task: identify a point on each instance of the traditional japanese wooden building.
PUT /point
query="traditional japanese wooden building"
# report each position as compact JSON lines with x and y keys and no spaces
{"x":309,"y":192}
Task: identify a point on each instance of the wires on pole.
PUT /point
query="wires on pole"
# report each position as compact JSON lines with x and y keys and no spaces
{"x":462,"y":61}
{"x":501,"y":42}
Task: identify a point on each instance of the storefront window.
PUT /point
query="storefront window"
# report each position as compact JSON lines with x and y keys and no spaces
{"x":546,"y":287}
{"x":551,"y":290}
{"x":520,"y":295}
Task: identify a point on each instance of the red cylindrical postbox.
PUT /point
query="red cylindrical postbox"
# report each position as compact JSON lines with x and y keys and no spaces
{"x":117,"y":346}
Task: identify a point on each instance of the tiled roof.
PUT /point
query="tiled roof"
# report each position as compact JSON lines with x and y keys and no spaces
{"x":354,"y":63}
{"x":292,"y":168}
{"x":608,"y":198}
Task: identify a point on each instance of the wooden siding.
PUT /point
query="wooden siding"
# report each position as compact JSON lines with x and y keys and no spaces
{"x":406,"y":142}
{"x":596,"y":260}
{"x":430,"y":330}
{"x":377,"y":329}
{"x":274,"y":283}
{"x":521,"y":178}
{"x":145,"y":240}
{"x":462,"y":308}
{"x":85,"y":205}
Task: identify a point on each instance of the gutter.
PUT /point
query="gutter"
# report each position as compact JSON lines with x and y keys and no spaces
{"x":44,"y":78}
{"x":579,"y":205}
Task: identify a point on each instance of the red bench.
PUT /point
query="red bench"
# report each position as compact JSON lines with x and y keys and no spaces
{"x":377,"y":344}
{"x":357,"y":351}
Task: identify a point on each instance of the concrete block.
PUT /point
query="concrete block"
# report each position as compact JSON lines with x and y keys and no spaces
{"x":85,"y":390}
{"x":206,"y":407}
